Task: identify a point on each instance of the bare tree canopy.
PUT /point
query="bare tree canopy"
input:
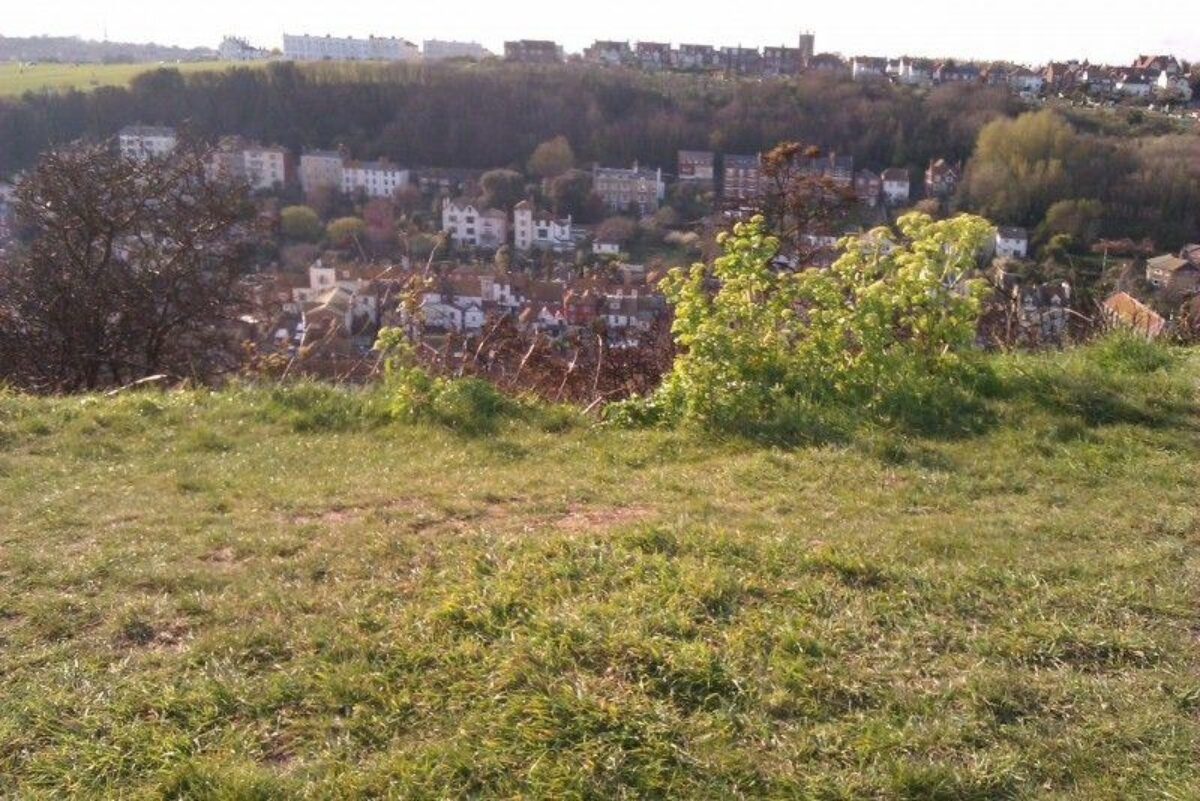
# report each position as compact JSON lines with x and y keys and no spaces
{"x":798,"y":200}
{"x":125,"y":269}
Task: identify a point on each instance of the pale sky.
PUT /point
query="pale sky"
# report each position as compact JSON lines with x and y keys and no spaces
{"x":1018,"y":30}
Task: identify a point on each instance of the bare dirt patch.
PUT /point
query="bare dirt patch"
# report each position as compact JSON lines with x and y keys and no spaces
{"x":221,"y":556}
{"x":170,"y":636}
{"x":582,"y":520}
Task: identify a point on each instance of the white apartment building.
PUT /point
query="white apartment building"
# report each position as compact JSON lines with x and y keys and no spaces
{"x":373,"y":178}
{"x":321,"y":169}
{"x":144,"y":142}
{"x":439,"y":50}
{"x":265,"y":167}
{"x":533,"y":229}
{"x":346,"y":48}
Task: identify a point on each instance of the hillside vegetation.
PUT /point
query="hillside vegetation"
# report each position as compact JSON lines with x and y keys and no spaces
{"x":275,"y":593}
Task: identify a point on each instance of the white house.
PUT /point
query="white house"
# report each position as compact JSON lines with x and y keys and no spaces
{"x":897,"y":186}
{"x":1012,"y":243}
{"x":864,"y":68}
{"x":338,"y":292}
{"x":373,"y":178}
{"x":468,"y":225}
{"x":457,"y":305}
{"x":145,"y":142}
{"x":534,"y":229}
{"x":461,"y":315}
{"x":915,"y":73}
{"x":233,"y":48}
{"x":322,"y":278}
{"x":460,"y":219}
{"x":1170,"y":83}
{"x":1026,"y":81}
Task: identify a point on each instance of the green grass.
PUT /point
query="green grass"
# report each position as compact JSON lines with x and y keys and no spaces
{"x":267,"y":594}
{"x":15,"y":79}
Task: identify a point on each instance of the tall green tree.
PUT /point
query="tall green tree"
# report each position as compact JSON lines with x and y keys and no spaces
{"x":552,"y":158}
{"x":300,"y":224}
{"x":1078,"y":220}
{"x":1023,"y":166}
{"x":346,"y":231}
{"x":502,"y":189}
{"x":571,"y":193}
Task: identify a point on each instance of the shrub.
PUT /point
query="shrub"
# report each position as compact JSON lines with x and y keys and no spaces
{"x":892,"y":318}
{"x":468,"y":405}
{"x":1125,"y":352}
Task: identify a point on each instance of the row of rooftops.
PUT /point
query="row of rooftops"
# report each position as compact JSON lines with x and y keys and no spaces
{"x":1146,"y":69}
{"x":659,"y":54}
{"x":634,"y":296}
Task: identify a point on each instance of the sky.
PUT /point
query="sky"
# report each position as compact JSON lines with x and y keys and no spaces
{"x":1031,"y":31}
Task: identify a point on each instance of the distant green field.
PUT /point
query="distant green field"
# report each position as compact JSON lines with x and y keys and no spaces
{"x":16,"y":79}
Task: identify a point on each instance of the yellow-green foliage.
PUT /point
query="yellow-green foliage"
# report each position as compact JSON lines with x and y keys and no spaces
{"x":758,"y":343}
{"x":467,"y":405}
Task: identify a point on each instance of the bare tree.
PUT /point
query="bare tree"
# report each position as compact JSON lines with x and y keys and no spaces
{"x":125,"y":269}
{"x":799,"y":200}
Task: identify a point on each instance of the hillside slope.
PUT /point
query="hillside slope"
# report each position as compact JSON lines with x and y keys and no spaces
{"x":253,"y":594}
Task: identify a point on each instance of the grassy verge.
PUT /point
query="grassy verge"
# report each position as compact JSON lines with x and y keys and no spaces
{"x":270,"y":594}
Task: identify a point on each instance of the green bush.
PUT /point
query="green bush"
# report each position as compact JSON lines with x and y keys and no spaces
{"x":887,"y":327}
{"x":1125,"y":352}
{"x":467,"y":405}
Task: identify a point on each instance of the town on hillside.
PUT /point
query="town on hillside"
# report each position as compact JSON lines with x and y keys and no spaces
{"x":483,"y":246}
{"x":564,"y":249}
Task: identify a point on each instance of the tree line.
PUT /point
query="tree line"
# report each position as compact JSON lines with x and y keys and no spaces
{"x":1039,"y":171}
{"x":495,"y":115}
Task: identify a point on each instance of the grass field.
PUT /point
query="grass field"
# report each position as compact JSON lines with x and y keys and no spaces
{"x":261,"y":594}
{"x":16,"y":79}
